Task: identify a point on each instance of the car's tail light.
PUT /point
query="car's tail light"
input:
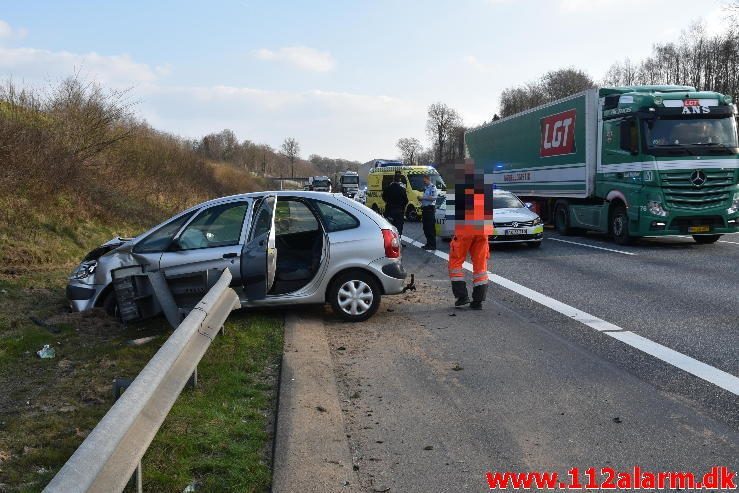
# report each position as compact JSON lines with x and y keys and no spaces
{"x":392,"y":243}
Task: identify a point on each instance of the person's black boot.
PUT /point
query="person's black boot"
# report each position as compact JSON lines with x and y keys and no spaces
{"x":459,"y":290}
{"x":478,"y":296}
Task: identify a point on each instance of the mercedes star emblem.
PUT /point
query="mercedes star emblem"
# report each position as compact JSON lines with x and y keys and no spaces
{"x":698,"y":178}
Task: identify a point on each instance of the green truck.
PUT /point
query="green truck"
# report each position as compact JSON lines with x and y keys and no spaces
{"x":630,"y":161}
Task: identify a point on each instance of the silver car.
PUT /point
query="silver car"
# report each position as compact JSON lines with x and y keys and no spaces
{"x":282,"y":248}
{"x":513,"y":221}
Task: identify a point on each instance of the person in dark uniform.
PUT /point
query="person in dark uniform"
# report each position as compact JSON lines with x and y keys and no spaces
{"x":396,"y":200}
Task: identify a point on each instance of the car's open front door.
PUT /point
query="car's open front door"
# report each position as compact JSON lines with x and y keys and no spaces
{"x":259,"y":257}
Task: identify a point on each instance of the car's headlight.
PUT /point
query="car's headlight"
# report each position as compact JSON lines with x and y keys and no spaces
{"x":655,"y":208}
{"x":734,"y":204}
{"x":537,"y":221}
{"x":85,"y":270}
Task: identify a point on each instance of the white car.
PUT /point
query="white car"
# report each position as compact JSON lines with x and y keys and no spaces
{"x":514,"y":221}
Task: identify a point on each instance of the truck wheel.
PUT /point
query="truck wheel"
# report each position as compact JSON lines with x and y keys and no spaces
{"x":620,"y":226}
{"x":706,"y":239}
{"x":354,"y":296}
{"x":411,"y":214}
{"x":562,"y":219}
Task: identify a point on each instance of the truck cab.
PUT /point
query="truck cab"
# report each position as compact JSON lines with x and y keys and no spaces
{"x":668,"y":162}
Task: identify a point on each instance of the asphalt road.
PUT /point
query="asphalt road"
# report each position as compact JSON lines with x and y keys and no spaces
{"x":434,"y":397}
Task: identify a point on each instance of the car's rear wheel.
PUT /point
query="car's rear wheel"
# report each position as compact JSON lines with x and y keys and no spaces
{"x":706,"y":239}
{"x":355,"y":296}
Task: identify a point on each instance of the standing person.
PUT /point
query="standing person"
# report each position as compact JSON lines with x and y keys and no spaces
{"x":396,"y":200}
{"x":428,"y":212}
{"x":473,"y":223}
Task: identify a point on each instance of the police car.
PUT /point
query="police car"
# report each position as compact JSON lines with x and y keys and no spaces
{"x":514,"y":221}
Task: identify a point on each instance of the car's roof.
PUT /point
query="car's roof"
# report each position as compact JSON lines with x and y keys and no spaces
{"x":278,"y":193}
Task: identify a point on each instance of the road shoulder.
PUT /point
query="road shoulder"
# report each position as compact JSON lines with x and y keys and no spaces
{"x":311,"y":449}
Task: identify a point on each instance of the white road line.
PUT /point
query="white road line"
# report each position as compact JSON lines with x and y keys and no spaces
{"x":590,"y":246}
{"x":732,"y":242}
{"x":701,"y":370}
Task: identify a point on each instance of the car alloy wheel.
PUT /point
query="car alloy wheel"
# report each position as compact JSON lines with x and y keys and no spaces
{"x":355,"y":297}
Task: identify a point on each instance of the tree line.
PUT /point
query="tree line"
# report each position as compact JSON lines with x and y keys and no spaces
{"x":264,"y":160}
{"x":708,"y":62}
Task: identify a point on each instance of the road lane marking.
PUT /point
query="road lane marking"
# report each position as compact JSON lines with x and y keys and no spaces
{"x":590,"y":246}
{"x":732,"y":242}
{"x":720,"y":378}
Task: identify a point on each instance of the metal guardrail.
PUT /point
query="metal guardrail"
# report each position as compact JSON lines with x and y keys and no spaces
{"x":109,"y":456}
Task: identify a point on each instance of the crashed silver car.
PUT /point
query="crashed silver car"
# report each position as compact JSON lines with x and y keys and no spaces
{"x":282,"y":248}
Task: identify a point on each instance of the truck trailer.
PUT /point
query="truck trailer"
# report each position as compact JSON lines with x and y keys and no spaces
{"x":629,"y":161}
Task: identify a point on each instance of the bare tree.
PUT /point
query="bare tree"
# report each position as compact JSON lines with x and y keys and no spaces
{"x":291,"y":150}
{"x":553,"y":85}
{"x":409,"y":147}
{"x":441,"y":122}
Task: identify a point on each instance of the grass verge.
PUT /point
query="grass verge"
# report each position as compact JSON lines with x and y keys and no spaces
{"x":47,"y":407}
{"x":218,"y":436}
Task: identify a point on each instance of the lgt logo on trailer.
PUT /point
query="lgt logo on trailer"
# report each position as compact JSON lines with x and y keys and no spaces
{"x":558,"y":134}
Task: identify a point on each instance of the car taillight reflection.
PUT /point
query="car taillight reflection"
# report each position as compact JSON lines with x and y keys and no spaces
{"x":392,"y":243}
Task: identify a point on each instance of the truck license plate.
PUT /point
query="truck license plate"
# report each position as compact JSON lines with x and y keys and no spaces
{"x":515,"y":232}
{"x":699,"y":229}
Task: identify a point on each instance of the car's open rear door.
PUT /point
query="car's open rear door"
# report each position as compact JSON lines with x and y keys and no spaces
{"x":259,"y":257}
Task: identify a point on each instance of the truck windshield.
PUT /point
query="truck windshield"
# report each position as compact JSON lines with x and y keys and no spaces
{"x":350,"y":180}
{"x":416,"y":182}
{"x":321,"y":183}
{"x":680,"y":132}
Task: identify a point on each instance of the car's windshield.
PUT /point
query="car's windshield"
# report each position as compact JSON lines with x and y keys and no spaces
{"x":350,"y":180}
{"x":670,"y":132}
{"x":506,"y":202}
{"x":417,"y":184}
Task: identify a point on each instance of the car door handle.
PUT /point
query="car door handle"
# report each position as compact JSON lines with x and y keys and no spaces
{"x":230,"y":255}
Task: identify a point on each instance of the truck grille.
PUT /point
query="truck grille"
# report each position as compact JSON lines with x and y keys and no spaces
{"x":680,"y":192}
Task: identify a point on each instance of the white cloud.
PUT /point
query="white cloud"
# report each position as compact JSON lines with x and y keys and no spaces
{"x":481,"y":67}
{"x":7,"y":31}
{"x":35,"y":65}
{"x":591,"y":5}
{"x":301,"y":57}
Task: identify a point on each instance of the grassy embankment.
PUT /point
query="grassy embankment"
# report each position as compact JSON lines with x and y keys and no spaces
{"x":76,"y":169}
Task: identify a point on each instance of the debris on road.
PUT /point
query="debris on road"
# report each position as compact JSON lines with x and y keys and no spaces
{"x":46,"y":352}
{"x":617,"y":420}
{"x":321,"y":409}
{"x":456,"y":367}
{"x":51,"y":328}
{"x":141,"y":341}
{"x":428,"y":447}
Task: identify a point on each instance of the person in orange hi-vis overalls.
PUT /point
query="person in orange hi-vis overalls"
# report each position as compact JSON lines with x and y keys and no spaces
{"x":473,"y":224}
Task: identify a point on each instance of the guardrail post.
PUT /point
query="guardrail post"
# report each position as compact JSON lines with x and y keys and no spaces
{"x":193,"y":381}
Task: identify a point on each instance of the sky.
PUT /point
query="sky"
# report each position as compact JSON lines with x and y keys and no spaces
{"x":345,"y":78}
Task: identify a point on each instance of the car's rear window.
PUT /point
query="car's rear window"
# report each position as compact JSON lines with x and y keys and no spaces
{"x":336,"y":219}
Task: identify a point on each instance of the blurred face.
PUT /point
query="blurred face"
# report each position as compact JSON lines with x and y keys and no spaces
{"x":426,"y":180}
